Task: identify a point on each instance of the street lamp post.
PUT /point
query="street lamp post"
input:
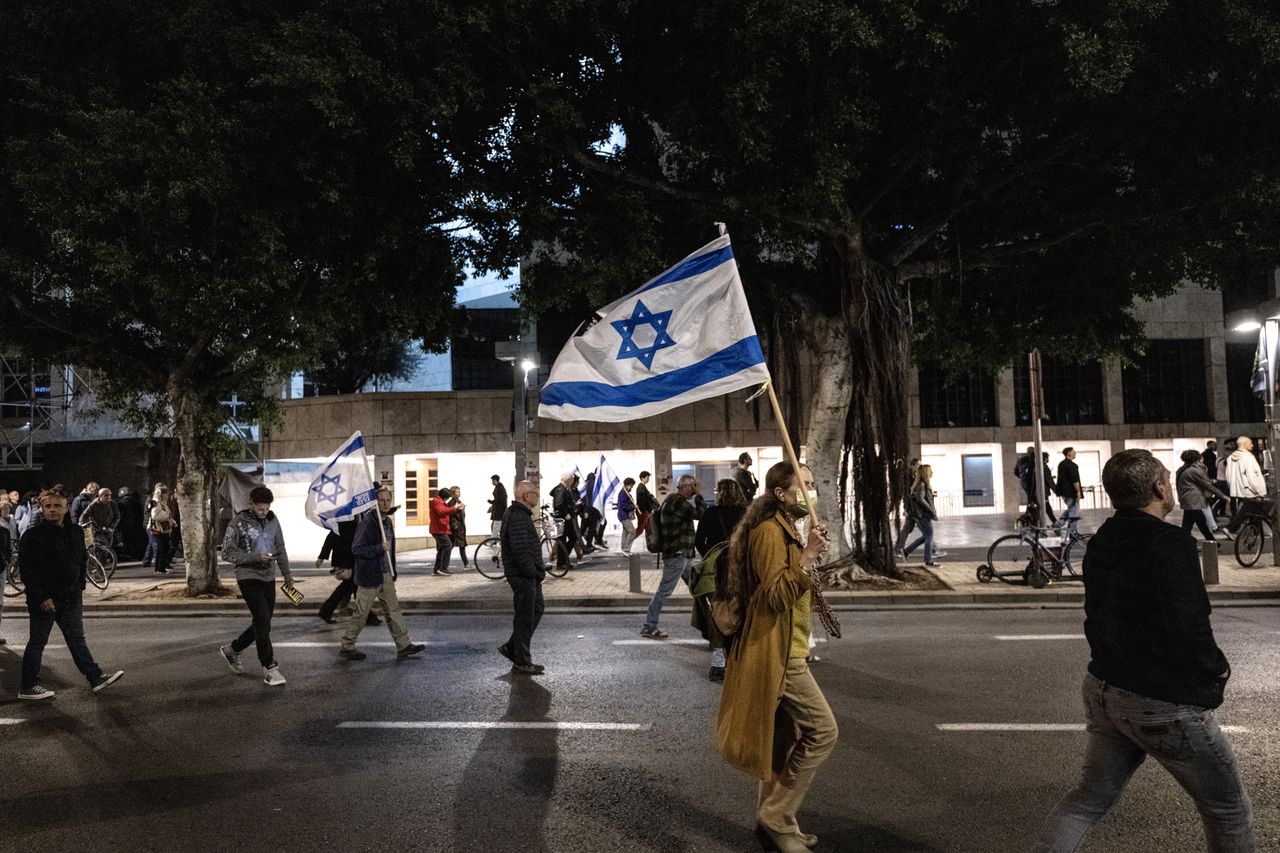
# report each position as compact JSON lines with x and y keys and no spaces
{"x":1265,"y":319}
{"x":523,"y":361}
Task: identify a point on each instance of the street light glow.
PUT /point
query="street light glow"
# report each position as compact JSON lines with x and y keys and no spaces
{"x":1246,"y":326}
{"x":528,"y":365}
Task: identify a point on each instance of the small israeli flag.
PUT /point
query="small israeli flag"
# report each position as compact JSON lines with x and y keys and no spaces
{"x":606,"y":486}
{"x":684,"y":336}
{"x":341,"y":488}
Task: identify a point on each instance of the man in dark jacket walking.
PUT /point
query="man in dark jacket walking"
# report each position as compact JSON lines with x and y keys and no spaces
{"x":1069,"y":488}
{"x":375,"y":577}
{"x":51,"y":557}
{"x":497,"y":506}
{"x":523,"y":566}
{"x":337,"y":549}
{"x":1155,"y":673}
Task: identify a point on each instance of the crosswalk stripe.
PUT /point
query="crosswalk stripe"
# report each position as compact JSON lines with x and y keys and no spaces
{"x":668,"y":642}
{"x":1038,"y":727}
{"x":498,"y":724}
{"x":1013,"y":637}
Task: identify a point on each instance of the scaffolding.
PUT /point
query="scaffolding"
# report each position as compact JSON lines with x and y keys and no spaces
{"x":35,"y":401}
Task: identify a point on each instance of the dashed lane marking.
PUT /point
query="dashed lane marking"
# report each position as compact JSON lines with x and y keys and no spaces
{"x":1014,"y":637}
{"x":1038,"y":727}
{"x":670,"y":642}
{"x":499,"y":724}
{"x":10,"y":721}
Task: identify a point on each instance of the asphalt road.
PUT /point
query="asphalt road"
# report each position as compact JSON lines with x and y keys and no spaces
{"x":182,"y":755}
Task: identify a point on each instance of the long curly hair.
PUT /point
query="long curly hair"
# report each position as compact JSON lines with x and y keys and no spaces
{"x":735,"y":577}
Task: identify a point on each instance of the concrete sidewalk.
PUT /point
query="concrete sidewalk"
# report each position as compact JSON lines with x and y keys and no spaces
{"x":602,"y":580}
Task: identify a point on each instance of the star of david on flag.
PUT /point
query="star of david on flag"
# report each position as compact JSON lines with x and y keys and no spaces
{"x":684,"y":336}
{"x":345,"y":473}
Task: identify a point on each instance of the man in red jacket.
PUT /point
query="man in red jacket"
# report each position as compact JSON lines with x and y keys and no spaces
{"x":441,"y":517}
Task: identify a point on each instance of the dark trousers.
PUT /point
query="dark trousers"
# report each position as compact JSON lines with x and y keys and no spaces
{"x":260,"y":596}
{"x":1195,"y":517}
{"x":164,"y":551}
{"x":69,"y":617}
{"x":460,"y":542}
{"x":340,"y":596}
{"x":527,"y":615}
{"x":444,"y":550}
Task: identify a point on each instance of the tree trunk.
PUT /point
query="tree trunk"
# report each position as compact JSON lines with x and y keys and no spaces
{"x":197,"y":482}
{"x":825,"y":449}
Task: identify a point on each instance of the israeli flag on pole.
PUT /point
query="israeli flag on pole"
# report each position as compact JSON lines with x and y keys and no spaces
{"x":341,"y":488}
{"x":606,"y":486}
{"x":684,"y":336}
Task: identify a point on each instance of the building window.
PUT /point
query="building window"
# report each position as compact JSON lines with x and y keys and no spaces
{"x":955,"y":401}
{"x":1244,"y":405}
{"x":420,"y":483}
{"x":979,"y":480}
{"x":1072,"y":392}
{"x":1167,"y":385}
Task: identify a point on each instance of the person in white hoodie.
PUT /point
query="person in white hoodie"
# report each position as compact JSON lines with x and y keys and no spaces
{"x":1245,"y":481}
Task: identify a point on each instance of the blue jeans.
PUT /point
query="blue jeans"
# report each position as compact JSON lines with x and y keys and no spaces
{"x":926,"y":527}
{"x":1071,"y":515}
{"x":673,"y":567}
{"x":69,"y":616}
{"x":1124,"y":728}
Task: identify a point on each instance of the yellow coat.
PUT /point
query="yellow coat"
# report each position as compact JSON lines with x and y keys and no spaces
{"x":757,"y":661}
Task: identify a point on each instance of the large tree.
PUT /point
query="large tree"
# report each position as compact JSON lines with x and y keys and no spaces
{"x":198,"y":198}
{"x":960,"y":180}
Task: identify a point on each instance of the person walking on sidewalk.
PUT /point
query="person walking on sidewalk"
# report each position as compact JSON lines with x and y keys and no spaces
{"x":910,"y":523}
{"x":254,"y":544}
{"x":920,"y":505}
{"x":441,"y":516}
{"x":458,"y":522}
{"x":337,"y":549}
{"x":675,"y":520}
{"x":375,"y":577}
{"x":744,"y":478}
{"x":1070,"y":489}
{"x":774,"y":723}
{"x":646,"y":503}
{"x":1194,"y":487}
{"x":523,"y":566}
{"x":627,"y":515}
{"x":1155,"y":673}
{"x":52,"y":557}
{"x":497,"y":506}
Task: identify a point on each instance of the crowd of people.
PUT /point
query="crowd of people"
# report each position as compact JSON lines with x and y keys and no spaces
{"x":1155,"y":675}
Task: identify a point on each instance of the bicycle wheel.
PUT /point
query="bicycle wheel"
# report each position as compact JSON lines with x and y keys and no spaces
{"x":1012,"y":556}
{"x":1073,"y":554}
{"x":107,"y":557}
{"x":1249,"y":543}
{"x":550,"y":557}
{"x":488,"y":558}
{"x":12,"y":580}
{"x":97,"y":574}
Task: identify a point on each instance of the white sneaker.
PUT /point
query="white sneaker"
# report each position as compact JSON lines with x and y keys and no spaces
{"x":106,"y":681}
{"x":272,"y":677}
{"x":937,"y":554}
{"x":36,"y":693}
{"x":232,"y":658}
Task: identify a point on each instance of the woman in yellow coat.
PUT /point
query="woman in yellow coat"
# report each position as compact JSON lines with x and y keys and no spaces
{"x":774,"y":723}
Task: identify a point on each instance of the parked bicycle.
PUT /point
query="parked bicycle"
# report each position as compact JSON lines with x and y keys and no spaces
{"x":1257,"y":517}
{"x":488,"y":554}
{"x":98,"y":543}
{"x":1035,"y":556}
{"x":13,"y":585}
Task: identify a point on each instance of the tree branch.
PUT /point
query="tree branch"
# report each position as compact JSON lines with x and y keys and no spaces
{"x":992,"y":258}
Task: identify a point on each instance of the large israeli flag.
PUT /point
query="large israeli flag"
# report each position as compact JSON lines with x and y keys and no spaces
{"x":341,"y":488}
{"x":684,"y":336}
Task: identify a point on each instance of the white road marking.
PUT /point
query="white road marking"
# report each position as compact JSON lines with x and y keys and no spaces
{"x":10,"y":721}
{"x":336,"y":643}
{"x":1038,"y":727}
{"x":499,"y":724}
{"x":648,"y":642}
{"x":1007,"y":637}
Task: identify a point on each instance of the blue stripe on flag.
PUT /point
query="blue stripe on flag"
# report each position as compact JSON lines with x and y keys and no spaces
{"x":730,"y":360}
{"x":690,"y":268}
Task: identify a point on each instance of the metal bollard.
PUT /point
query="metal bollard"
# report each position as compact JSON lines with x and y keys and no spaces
{"x":1209,"y":562}
{"x":633,"y":564}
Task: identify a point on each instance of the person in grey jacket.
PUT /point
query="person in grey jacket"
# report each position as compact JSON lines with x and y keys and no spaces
{"x":1194,"y":486}
{"x":254,"y":544}
{"x":523,"y":565}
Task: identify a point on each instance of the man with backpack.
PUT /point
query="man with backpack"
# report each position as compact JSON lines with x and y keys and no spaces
{"x":675,"y":542}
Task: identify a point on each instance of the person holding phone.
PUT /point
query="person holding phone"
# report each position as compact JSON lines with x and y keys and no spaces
{"x":254,"y":544}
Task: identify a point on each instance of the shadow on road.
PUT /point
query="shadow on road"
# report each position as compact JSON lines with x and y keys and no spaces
{"x":506,"y":790}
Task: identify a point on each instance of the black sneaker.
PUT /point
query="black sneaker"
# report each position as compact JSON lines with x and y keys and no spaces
{"x":528,"y":668}
{"x":373,"y":620}
{"x":35,"y":693}
{"x":716,"y":673}
{"x":160,"y":572}
{"x":328,"y":619}
{"x":442,"y":572}
{"x":104,"y":681}
{"x":351,"y":654}
{"x":410,"y":650}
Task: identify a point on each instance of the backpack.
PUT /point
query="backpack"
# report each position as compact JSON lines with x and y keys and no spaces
{"x":654,"y":540}
{"x":161,"y":519}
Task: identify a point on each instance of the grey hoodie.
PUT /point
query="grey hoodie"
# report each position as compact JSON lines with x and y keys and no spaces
{"x":248,"y":536}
